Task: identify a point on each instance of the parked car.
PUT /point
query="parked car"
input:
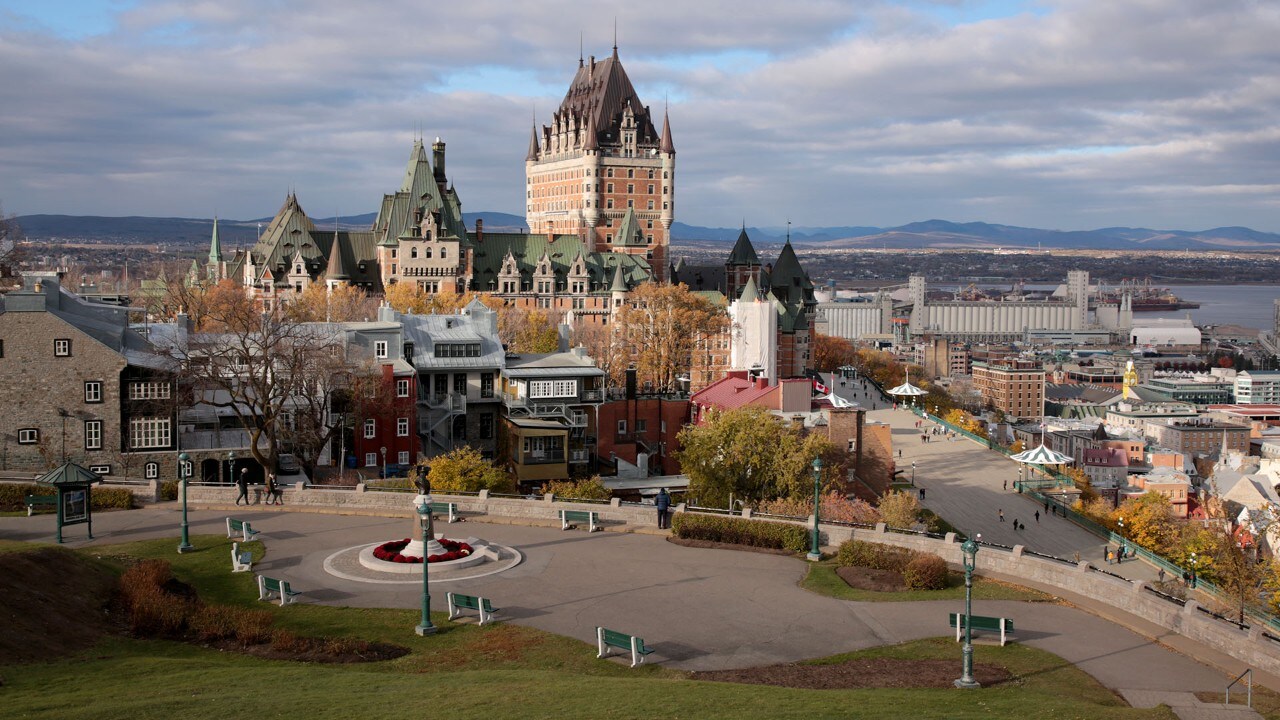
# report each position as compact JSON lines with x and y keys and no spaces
{"x":287,"y":464}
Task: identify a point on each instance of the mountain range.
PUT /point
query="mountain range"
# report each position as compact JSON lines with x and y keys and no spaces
{"x":937,"y":234}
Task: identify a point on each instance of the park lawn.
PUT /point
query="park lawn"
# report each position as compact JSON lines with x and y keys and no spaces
{"x":821,"y":578}
{"x":467,"y":671}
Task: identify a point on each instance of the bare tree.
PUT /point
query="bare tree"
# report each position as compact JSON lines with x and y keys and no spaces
{"x":10,"y":237}
{"x":273,"y":373}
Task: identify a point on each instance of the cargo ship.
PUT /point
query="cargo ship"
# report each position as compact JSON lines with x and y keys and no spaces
{"x":1145,"y":296}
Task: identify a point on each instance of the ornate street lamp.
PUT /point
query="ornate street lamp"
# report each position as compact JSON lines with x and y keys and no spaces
{"x":231,"y":462}
{"x":183,"y":477}
{"x":913,"y":473}
{"x":384,"y":461}
{"x":970,"y":550}
{"x":428,"y":532}
{"x":814,"y":553}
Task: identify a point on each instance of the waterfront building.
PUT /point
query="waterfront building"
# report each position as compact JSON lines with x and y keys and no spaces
{"x":1257,"y":387}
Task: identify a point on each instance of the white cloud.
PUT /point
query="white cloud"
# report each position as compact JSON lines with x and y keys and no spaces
{"x":1054,"y":114}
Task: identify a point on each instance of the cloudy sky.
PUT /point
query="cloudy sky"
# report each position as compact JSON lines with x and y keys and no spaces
{"x":1066,"y":114}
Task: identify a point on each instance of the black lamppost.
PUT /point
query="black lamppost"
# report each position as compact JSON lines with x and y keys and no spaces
{"x":183,"y":477}
{"x":231,"y":461}
{"x":384,"y":461}
{"x":970,"y":550}
{"x":428,"y":534}
{"x":814,"y":553}
{"x":913,"y":473}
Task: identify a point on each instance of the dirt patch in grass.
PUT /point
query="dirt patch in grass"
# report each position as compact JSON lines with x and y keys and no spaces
{"x":859,"y":674}
{"x":321,"y":651}
{"x":53,"y":603}
{"x":725,"y":546}
{"x":872,"y":579}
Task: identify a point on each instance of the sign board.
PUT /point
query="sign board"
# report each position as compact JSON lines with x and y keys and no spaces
{"x":75,"y":506}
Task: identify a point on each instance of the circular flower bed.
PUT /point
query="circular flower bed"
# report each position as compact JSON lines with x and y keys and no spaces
{"x":391,"y":551}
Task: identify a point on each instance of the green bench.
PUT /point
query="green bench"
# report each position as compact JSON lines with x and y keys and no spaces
{"x":606,"y":639}
{"x":445,"y":508}
{"x":459,"y":602}
{"x":40,"y":501}
{"x":271,"y":589}
{"x":1004,"y":626}
{"x":590,"y":517}
{"x":241,"y":528}
{"x":240,"y":561}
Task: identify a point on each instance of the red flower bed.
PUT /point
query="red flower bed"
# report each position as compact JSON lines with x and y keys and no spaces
{"x":390,"y":552}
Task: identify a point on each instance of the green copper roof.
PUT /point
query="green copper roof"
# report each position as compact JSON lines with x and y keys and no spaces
{"x":744,"y":253}
{"x":619,"y":280}
{"x":629,"y":233}
{"x":69,"y":474}
{"x":215,"y":246}
{"x":561,"y":250}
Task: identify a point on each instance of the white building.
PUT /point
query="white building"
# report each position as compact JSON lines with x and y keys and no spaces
{"x":1257,"y":387}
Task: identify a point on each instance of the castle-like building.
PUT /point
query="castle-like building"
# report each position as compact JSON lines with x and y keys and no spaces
{"x":600,"y":186}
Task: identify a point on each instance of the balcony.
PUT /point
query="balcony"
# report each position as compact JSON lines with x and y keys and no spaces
{"x":592,"y":396}
{"x":452,"y":402}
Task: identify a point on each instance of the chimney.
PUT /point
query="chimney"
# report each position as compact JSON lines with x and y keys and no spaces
{"x":562,"y":338}
{"x":762,"y":382}
{"x":479,"y":230}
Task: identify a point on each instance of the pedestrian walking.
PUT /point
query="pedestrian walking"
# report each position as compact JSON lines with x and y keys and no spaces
{"x":1000,"y":512}
{"x":1037,"y":516}
{"x":1006,"y":484}
{"x":1161,"y":575}
{"x":922,"y":493}
{"x":1046,"y":507}
{"x":1015,"y":524}
{"x":243,"y":486}
{"x":272,"y":492}
{"x":662,"y":502}
{"x":899,"y":452}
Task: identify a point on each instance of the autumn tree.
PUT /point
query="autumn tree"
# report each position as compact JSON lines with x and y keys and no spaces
{"x":527,"y":330}
{"x":601,"y":343}
{"x":899,"y":509}
{"x":262,"y":367}
{"x":344,"y":303}
{"x":410,"y":298}
{"x":831,"y":353}
{"x":662,"y":326}
{"x":750,"y":454}
{"x":1148,"y":521}
{"x":463,"y":470}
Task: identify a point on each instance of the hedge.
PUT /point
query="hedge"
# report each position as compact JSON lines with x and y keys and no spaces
{"x":13,"y":496}
{"x":740,"y":531}
{"x":926,"y":571}
{"x":920,"y":571}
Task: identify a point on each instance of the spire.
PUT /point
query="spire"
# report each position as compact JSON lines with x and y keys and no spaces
{"x":667,"y":146}
{"x":337,"y":269}
{"x":744,"y":253}
{"x":579,"y":48}
{"x":615,"y":38}
{"x":533,"y":144}
{"x":591,"y":142}
{"x":619,"y":282}
{"x":215,"y":246}
{"x":750,"y":291}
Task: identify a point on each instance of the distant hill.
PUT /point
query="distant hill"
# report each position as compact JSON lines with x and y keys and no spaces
{"x":925,"y":234}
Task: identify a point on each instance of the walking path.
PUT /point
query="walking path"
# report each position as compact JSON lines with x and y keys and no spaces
{"x":702,"y":609}
{"x":970,"y":486}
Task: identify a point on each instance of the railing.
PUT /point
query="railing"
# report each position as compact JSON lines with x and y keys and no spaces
{"x":1249,"y":700}
{"x":1054,"y":558}
{"x":592,"y":396}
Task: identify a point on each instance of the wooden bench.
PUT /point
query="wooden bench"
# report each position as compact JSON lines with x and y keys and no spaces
{"x":590,"y":517}
{"x":40,"y":501}
{"x":606,"y":638}
{"x":459,"y":602}
{"x":446,"y":508}
{"x":240,"y":561}
{"x":270,"y":589}
{"x":1004,"y":626}
{"x":240,"y":527}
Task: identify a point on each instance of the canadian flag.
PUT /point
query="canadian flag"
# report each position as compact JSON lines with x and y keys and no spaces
{"x":818,"y":385}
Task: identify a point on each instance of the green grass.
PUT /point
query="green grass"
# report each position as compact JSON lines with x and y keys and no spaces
{"x":466,"y":671}
{"x":822,"y":579}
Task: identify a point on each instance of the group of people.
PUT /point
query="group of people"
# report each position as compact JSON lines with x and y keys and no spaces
{"x":271,"y":490}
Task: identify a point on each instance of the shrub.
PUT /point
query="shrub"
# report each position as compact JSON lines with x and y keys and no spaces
{"x":12,"y":497}
{"x":153,"y":611}
{"x":169,"y":490}
{"x":926,"y":571}
{"x":112,"y":499}
{"x":592,"y":489}
{"x":228,"y":622}
{"x":899,"y":509}
{"x":740,"y":531}
{"x":857,"y":553}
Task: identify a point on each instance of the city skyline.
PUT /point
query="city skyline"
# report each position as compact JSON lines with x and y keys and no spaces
{"x":1066,"y":115}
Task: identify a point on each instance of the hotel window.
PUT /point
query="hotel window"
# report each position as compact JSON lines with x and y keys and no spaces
{"x":402,"y":388}
{"x":93,"y":391}
{"x":380,"y":349}
{"x":370,"y":428}
{"x":62,"y":348}
{"x":92,"y":434}
{"x":149,"y":390}
{"x":486,"y":385}
{"x":149,"y":433}
{"x":608,"y":187}
{"x":371,"y":459}
{"x":402,"y":427}
{"x":151,"y":471}
{"x":403,"y":457}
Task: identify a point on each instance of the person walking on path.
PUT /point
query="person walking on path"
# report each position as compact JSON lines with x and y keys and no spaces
{"x":1037,"y":516}
{"x":242,"y":486}
{"x":1000,"y":512}
{"x":1006,"y":483}
{"x":921,"y":494}
{"x":271,"y":491}
{"x":662,"y":502}
{"x":1015,"y":524}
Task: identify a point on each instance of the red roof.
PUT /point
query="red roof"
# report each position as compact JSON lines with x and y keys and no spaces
{"x":735,"y":391}
{"x":1106,"y":457}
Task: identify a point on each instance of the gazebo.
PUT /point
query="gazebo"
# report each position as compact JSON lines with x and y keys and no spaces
{"x":1040,"y":456}
{"x":906,"y":389}
{"x":73,"y":484}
